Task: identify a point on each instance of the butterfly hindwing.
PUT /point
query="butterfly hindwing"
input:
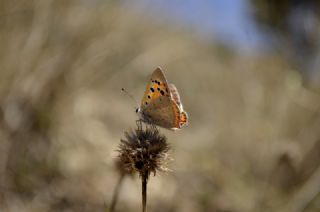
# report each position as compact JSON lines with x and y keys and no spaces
{"x":183,"y":117}
{"x":175,"y":94}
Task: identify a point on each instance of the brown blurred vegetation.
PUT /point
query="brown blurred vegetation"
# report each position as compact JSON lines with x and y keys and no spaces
{"x":253,"y":143}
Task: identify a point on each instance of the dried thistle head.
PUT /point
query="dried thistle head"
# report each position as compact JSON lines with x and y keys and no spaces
{"x":144,"y":151}
{"x":120,"y":167}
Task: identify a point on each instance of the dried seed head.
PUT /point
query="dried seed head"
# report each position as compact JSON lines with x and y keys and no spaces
{"x":122,"y":170}
{"x":144,"y":151}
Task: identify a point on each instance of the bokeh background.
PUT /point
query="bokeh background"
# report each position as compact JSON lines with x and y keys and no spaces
{"x":248,"y":74}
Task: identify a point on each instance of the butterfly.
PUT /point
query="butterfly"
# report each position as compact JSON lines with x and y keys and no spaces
{"x":161,"y":104}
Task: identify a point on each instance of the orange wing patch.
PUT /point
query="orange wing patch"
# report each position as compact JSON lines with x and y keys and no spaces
{"x":183,"y":119}
{"x":156,"y":88}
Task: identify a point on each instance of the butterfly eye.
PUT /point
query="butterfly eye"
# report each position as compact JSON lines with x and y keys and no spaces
{"x":137,"y":110}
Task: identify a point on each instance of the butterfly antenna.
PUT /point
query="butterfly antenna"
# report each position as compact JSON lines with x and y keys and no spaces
{"x":131,"y":97}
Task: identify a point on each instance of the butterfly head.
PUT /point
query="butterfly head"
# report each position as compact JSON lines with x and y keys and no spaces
{"x":140,"y":114}
{"x":138,"y":110}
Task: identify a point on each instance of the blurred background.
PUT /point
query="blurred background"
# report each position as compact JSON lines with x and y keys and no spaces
{"x":248,"y":75}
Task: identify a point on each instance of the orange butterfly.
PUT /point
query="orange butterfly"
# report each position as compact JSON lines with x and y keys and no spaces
{"x":161,"y":104}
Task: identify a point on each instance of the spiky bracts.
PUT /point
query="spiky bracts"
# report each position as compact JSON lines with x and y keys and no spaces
{"x":144,"y":151}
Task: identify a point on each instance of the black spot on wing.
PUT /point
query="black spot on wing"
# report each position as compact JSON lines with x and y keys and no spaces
{"x":157,"y":82}
{"x":152,"y":90}
{"x":162,"y":92}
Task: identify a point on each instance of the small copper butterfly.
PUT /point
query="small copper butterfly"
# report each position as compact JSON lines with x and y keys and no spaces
{"x":161,"y":104}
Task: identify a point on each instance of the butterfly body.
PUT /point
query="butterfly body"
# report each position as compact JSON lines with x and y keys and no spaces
{"x":161,"y":104}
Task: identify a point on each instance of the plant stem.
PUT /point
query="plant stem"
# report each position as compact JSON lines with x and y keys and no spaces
{"x":116,"y":192}
{"x":144,"y":192}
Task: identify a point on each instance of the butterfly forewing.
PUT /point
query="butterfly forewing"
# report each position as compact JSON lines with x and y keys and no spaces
{"x":157,"y":87}
{"x":162,"y":113}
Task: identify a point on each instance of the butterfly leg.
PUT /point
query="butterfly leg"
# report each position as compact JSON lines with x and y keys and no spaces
{"x":153,"y":126}
{"x":139,"y":124}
